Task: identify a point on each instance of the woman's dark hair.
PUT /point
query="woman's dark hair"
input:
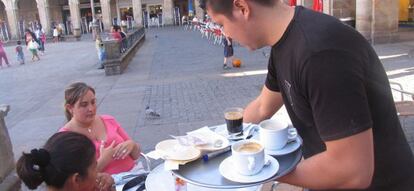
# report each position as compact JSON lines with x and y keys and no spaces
{"x":64,"y":154}
{"x":225,"y":7}
{"x":73,"y":93}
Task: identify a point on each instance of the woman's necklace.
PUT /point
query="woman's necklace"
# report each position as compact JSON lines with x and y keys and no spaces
{"x":89,"y":128}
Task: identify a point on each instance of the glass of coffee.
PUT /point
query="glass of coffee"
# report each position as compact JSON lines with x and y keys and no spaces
{"x":234,"y":120}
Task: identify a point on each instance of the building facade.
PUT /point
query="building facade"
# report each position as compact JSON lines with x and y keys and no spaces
{"x":376,"y":20}
{"x":19,"y":15}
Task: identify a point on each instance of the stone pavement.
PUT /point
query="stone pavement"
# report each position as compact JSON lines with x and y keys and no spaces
{"x":176,"y":73}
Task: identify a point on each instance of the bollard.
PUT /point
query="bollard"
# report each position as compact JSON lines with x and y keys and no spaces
{"x":8,"y":180}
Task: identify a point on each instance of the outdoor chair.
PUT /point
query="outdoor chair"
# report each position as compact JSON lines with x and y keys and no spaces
{"x":405,"y":110}
{"x":404,"y":107}
{"x":143,"y":161}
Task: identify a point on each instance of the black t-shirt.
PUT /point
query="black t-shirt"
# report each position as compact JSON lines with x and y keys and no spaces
{"x":334,"y":86}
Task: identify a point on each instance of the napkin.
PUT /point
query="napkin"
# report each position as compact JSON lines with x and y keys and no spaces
{"x":168,"y":164}
{"x":205,"y":134}
{"x":174,"y":164}
{"x":155,"y":155}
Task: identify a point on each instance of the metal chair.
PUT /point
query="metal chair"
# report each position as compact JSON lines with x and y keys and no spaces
{"x":145,"y":162}
{"x":404,"y":107}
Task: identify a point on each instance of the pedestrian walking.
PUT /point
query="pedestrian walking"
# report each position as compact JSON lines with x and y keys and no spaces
{"x":33,"y":46}
{"x":3,"y":55}
{"x":55,"y":34}
{"x":41,"y":37}
{"x":228,"y":51}
{"x":335,"y":90}
{"x":19,"y":52}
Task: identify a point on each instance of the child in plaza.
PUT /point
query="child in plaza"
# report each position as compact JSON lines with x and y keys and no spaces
{"x":19,"y":52}
{"x":33,"y":46}
{"x":101,"y":52}
{"x":228,"y":51}
{"x":3,"y":55}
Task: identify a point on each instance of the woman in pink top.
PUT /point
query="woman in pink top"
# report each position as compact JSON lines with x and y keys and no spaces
{"x":116,"y":151}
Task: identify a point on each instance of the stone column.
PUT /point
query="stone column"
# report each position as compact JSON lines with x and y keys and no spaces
{"x":136,"y":7}
{"x":327,"y":7}
{"x":44,"y":15}
{"x":167,"y":12}
{"x":118,"y":12}
{"x":75,"y":17}
{"x":199,"y":11}
{"x":12,"y":19}
{"x":106,"y":14}
{"x":8,"y":181}
{"x":377,"y":20}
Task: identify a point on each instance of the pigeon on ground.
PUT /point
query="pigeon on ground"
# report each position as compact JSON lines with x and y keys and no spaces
{"x":265,"y":54}
{"x":151,"y":113}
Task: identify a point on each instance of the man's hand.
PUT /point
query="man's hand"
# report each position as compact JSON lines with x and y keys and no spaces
{"x":263,"y":107}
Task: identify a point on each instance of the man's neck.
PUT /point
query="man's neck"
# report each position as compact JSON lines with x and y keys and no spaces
{"x":277,"y":22}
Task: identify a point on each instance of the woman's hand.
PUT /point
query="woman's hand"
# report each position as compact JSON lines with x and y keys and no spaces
{"x":104,"y":182}
{"x":123,"y":149}
{"x":106,"y":154}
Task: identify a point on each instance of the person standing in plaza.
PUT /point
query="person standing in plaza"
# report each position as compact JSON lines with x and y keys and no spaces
{"x":228,"y":51}
{"x":101,"y":51}
{"x":335,"y":90}
{"x":55,"y":35}
{"x":41,"y":38}
{"x":19,"y":52}
{"x":3,"y":55}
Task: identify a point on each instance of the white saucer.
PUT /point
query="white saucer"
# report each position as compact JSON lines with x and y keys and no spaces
{"x":290,"y":147}
{"x":227,"y":171}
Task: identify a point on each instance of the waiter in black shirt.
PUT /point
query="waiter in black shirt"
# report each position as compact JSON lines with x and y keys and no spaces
{"x":335,"y":90}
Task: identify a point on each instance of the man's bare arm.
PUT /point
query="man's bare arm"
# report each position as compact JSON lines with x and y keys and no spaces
{"x":348,"y":163}
{"x":263,"y":107}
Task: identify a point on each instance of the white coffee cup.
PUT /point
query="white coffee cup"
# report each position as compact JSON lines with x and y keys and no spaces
{"x":275,"y":134}
{"x":248,"y":157}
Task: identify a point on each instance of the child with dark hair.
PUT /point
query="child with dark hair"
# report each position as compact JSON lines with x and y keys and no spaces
{"x":66,"y":162}
{"x":19,"y":52}
{"x":228,"y":51}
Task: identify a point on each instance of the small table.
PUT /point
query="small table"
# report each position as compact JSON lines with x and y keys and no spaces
{"x":206,"y":174}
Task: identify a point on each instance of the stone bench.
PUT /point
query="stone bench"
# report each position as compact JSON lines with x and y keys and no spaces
{"x":116,"y":62}
{"x":8,"y":179}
